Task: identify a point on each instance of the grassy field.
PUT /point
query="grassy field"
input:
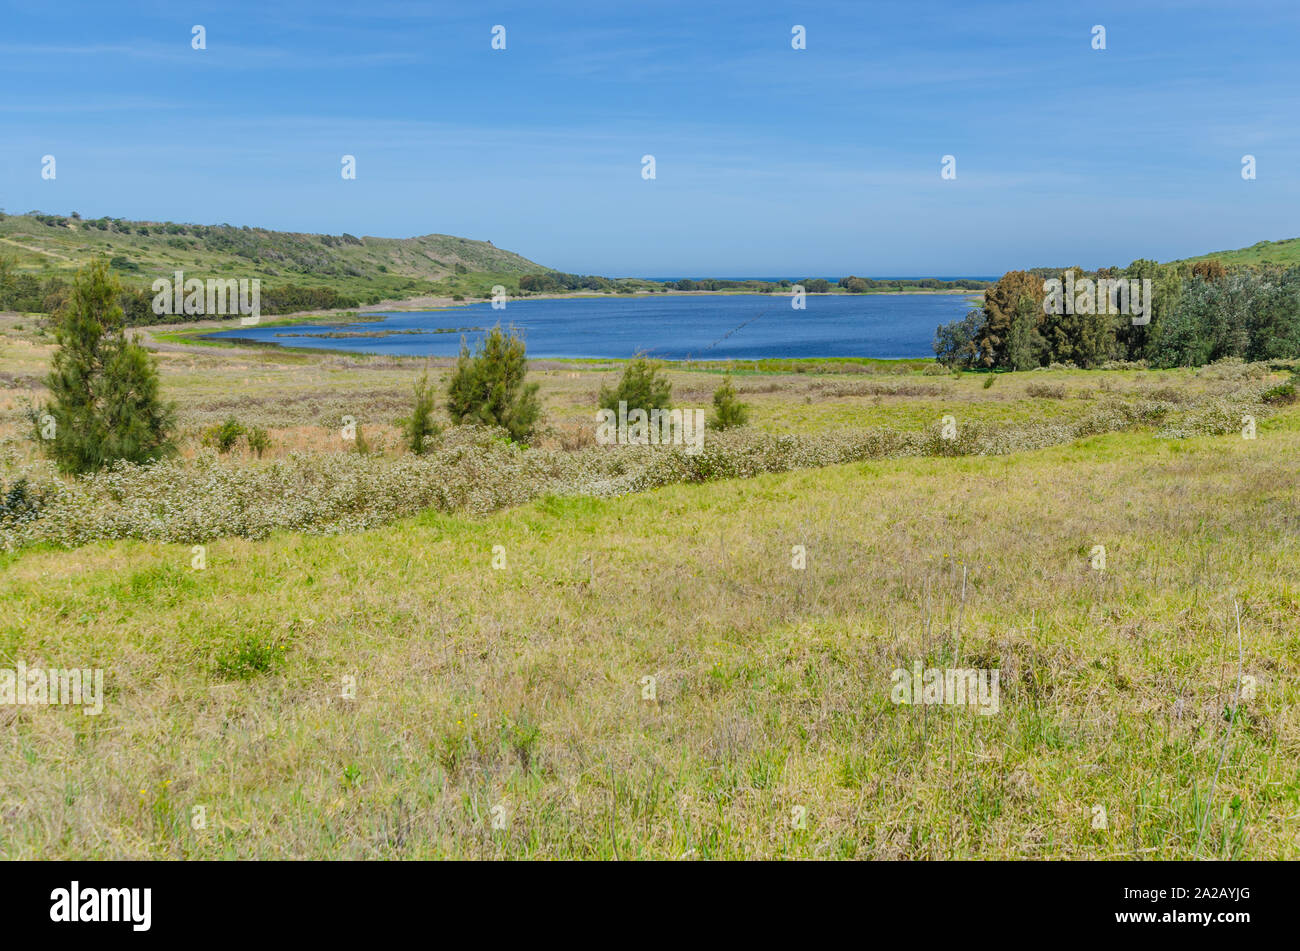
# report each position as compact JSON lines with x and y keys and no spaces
{"x":448,"y":685}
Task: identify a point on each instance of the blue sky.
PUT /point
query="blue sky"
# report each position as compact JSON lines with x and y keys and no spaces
{"x":769,"y":161}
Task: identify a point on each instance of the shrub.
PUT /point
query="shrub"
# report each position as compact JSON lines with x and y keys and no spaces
{"x":20,"y":503}
{"x":419,"y":426}
{"x":640,"y":387}
{"x":728,"y":411}
{"x":988,"y":381}
{"x":488,"y":388}
{"x":258,"y":440}
{"x":1284,"y":393}
{"x":1046,"y":391}
{"x":475,"y":471}
{"x":223,"y":437}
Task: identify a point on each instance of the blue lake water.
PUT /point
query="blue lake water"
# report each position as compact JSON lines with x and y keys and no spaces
{"x":708,"y":327}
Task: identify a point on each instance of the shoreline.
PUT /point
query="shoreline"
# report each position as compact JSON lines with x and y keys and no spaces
{"x":189,"y":335}
{"x":440,"y":303}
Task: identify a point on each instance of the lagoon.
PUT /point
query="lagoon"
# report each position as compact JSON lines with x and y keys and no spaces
{"x":670,"y":327}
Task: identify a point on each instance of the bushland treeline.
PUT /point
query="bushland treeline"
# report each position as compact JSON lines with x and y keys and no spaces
{"x":557,"y":281}
{"x":820,"y":285}
{"x":31,"y":293}
{"x":1198,"y":313}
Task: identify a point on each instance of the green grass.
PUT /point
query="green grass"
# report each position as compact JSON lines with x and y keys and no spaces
{"x":380,"y":693}
{"x":1285,"y":253}
{"x":522,"y":688}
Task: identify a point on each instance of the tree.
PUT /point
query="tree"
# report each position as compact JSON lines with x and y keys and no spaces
{"x":727,"y":410}
{"x":1167,"y":285}
{"x":640,"y":387}
{"x":1026,"y":347}
{"x":488,"y":387}
{"x":1211,"y":269}
{"x":104,"y":388}
{"x":1013,"y":308}
{"x":956,"y":344}
{"x":419,"y":425}
{"x":1274,"y":323}
{"x":1207,"y":325}
{"x":1081,"y":338}
{"x":1253,"y":315}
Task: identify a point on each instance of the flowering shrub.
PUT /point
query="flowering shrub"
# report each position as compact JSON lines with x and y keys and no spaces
{"x":476,"y":470}
{"x":20,"y":503}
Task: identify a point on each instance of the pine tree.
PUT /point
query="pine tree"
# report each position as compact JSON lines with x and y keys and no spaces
{"x":104,"y":387}
{"x":640,"y":387}
{"x":727,"y":410}
{"x":488,"y":386}
{"x":419,"y":424}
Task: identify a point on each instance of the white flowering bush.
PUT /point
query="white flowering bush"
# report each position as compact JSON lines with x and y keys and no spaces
{"x":476,"y":471}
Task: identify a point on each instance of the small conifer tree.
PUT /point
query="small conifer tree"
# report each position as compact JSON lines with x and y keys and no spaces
{"x":419,"y":424}
{"x":727,"y":410}
{"x":487,"y":387}
{"x":104,"y":388}
{"x":640,"y":387}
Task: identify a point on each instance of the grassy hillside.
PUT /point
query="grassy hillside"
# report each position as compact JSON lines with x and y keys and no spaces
{"x":144,"y":250}
{"x":1286,"y":252}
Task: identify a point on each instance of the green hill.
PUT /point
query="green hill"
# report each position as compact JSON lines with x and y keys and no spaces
{"x":1285,"y":252}
{"x":366,"y":267}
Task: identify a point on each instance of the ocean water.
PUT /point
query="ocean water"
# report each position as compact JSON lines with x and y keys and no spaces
{"x":670,"y":327}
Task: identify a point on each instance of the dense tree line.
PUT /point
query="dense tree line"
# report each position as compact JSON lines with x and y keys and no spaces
{"x":137,"y":304}
{"x":554,"y":282}
{"x":1166,"y":315}
{"x":820,"y":285}
{"x":29,"y":293}
{"x":863,"y":285}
